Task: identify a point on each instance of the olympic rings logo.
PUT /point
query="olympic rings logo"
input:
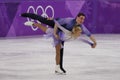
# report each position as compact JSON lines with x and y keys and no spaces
{"x":44,"y":14}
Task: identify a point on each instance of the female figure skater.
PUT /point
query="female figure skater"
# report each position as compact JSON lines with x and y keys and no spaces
{"x":65,"y":35}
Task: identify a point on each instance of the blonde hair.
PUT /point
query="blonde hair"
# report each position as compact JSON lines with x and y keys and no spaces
{"x":76,"y":29}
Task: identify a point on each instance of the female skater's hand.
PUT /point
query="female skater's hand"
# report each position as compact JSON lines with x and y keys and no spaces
{"x":56,"y":36}
{"x":93,"y":45}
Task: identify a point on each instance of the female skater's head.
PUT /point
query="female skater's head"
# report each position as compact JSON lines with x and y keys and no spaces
{"x":76,"y":31}
{"x":80,"y":18}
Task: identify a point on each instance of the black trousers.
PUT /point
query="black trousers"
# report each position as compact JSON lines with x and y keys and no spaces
{"x":39,"y":18}
{"x":61,"y":57}
{"x":50,"y":23}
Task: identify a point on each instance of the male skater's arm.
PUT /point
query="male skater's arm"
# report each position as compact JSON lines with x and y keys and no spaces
{"x":86,"y":31}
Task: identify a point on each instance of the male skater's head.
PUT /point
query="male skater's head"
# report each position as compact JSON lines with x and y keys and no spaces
{"x":80,"y":18}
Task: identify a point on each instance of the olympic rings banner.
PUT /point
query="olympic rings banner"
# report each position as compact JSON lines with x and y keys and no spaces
{"x":102,"y":16}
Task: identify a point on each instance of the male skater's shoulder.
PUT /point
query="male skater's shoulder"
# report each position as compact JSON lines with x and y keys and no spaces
{"x":64,"y":20}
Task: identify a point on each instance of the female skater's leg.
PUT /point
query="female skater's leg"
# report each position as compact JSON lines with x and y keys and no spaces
{"x":43,"y":28}
{"x":58,"y":47}
{"x":58,"y":69}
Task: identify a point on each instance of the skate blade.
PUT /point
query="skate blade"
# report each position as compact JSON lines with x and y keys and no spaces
{"x":60,"y":73}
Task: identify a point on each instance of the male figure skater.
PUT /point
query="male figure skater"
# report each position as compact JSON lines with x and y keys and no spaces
{"x":67,"y":23}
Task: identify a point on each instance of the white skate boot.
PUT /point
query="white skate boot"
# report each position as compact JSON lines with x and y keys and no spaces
{"x":28,"y":23}
{"x":58,"y":70}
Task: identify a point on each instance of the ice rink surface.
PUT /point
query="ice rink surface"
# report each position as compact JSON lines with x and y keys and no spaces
{"x":33,"y":58}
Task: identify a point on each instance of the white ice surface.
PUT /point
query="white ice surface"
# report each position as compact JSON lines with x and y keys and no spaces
{"x":33,"y":58}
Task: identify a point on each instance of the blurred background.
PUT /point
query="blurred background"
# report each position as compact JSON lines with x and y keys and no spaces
{"x":102,"y":16}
